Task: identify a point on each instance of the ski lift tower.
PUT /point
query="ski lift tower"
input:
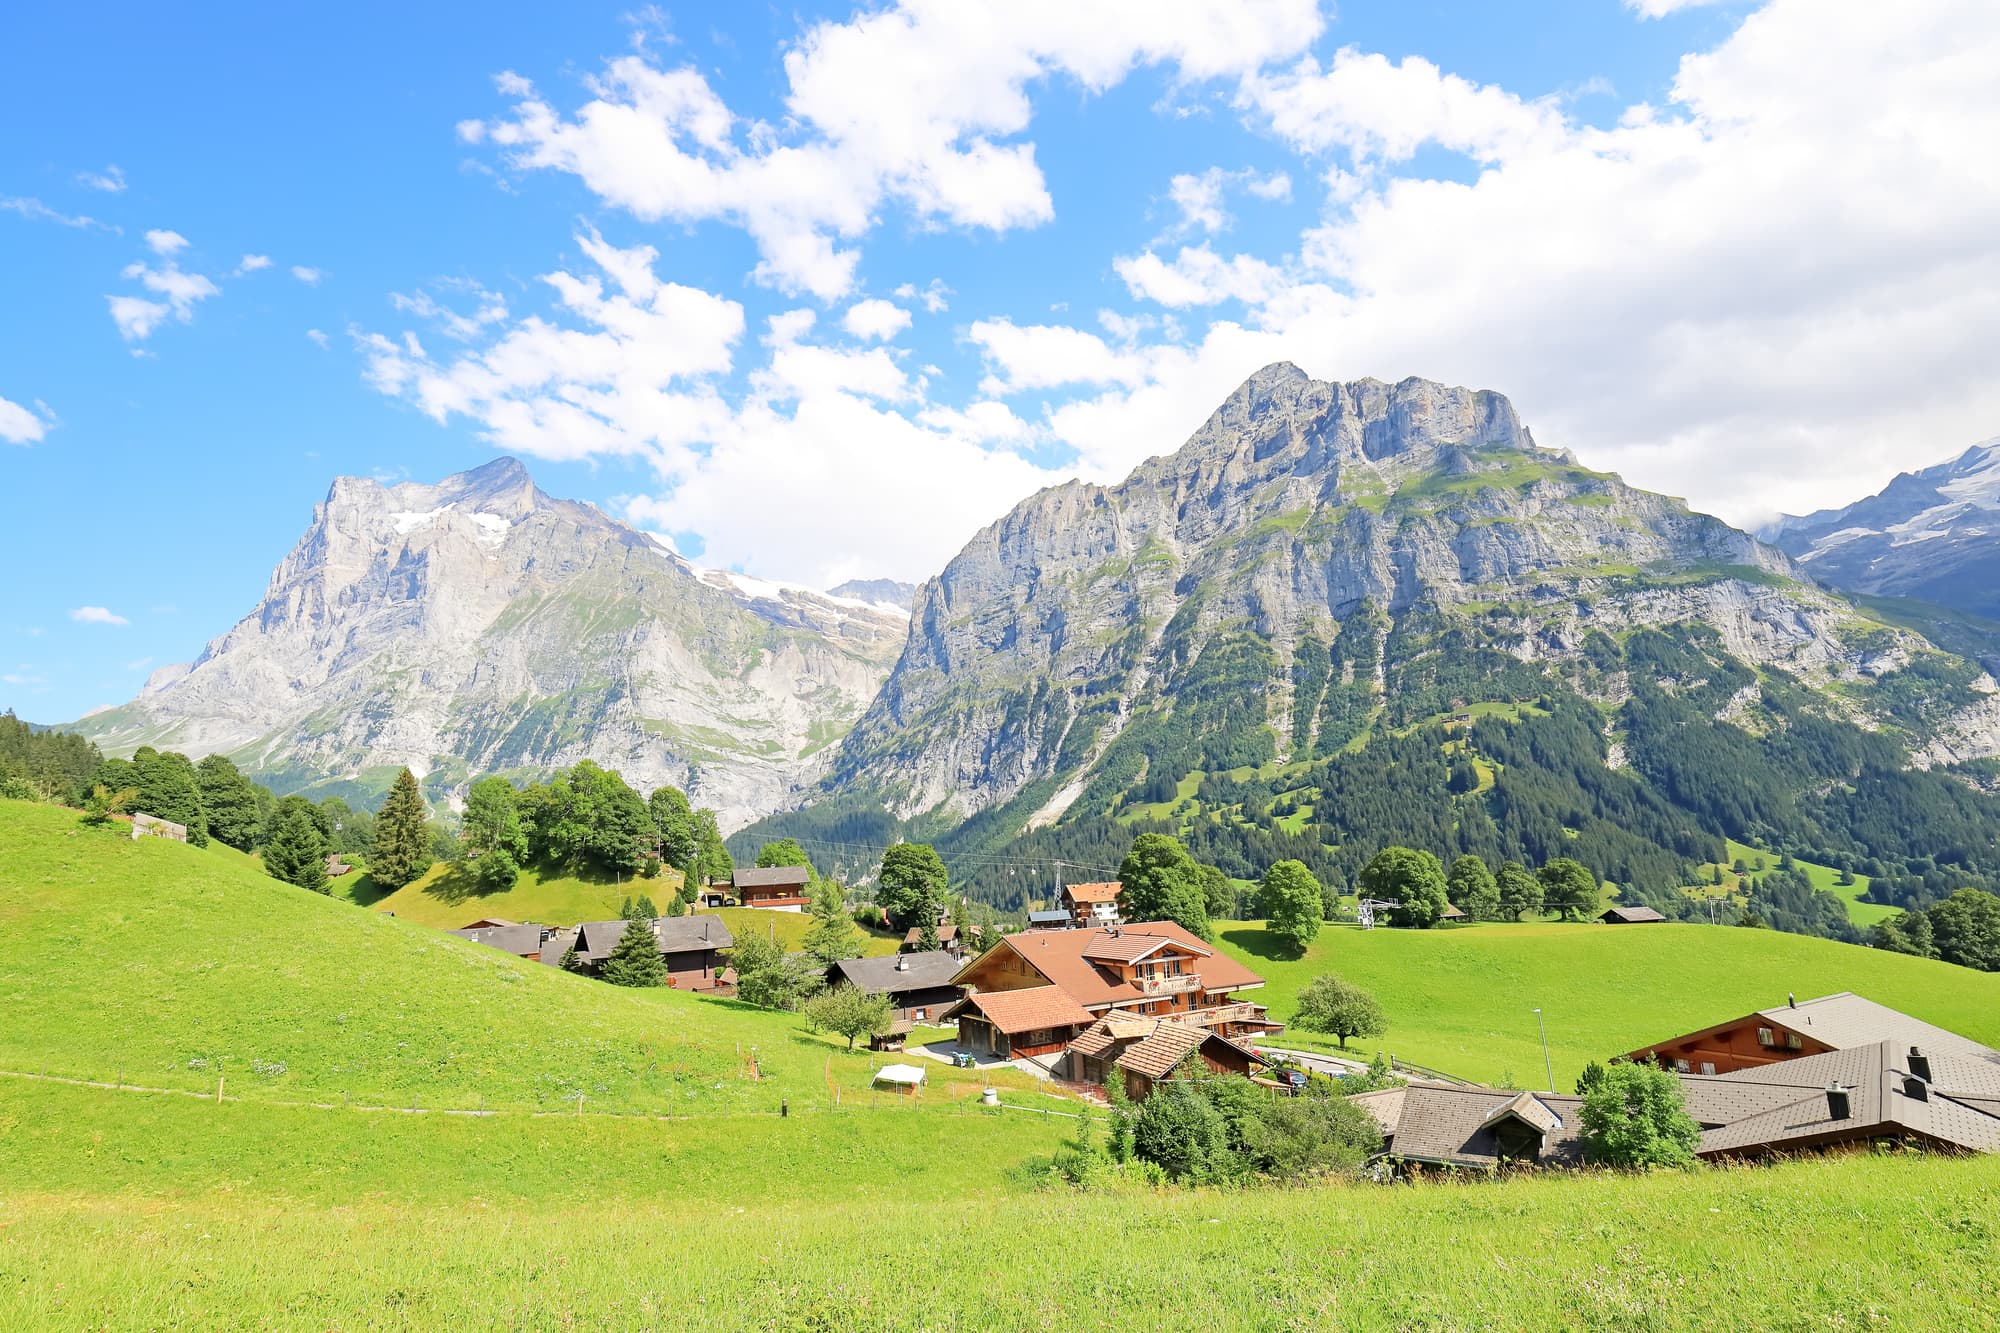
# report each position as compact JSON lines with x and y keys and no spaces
{"x":1369,"y":907}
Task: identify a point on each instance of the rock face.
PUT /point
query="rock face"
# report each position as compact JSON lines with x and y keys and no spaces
{"x":1190,"y":603}
{"x":1932,"y":535}
{"x":889,"y":592}
{"x":481,"y":626}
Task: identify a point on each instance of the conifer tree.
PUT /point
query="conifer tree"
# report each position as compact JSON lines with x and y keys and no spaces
{"x":635,"y":960}
{"x":402,"y":842}
{"x":296,"y":852}
{"x":832,"y":936}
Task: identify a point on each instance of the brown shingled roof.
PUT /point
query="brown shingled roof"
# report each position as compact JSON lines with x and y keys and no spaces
{"x":1115,"y":947}
{"x":1094,"y":893}
{"x":1031,"y":1010}
{"x":1058,"y":956}
{"x":1156,"y":1055}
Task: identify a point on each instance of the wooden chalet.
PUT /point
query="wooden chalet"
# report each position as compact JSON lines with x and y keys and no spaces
{"x":776,"y":888}
{"x":1152,"y":970}
{"x":947,"y":939}
{"x":690,"y":946}
{"x":711,"y":896}
{"x":1457,"y":1125}
{"x":1147,"y":1050}
{"x":521,"y":940}
{"x":1630,"y":916}
{"x":1091,"y":904}
{"x":1050,"y":918}
{"x":1797,"y":1029}
{"x":1010,"y":1024}
{"x":919,"y":985}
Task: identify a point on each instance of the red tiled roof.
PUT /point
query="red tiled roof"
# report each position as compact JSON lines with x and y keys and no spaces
{"x":1058,"y":955}
{"x":1094,"y":893}
{"x":1031,"y":1010}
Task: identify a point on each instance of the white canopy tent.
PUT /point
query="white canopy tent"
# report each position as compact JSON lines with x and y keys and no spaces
{"x":903,"y":1076}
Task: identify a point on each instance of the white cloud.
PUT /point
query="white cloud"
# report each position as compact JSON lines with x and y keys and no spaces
{"x":1025,"y":357}
{"x":461,"y":326}
{"x":309,"y":276}
{"x":20,"y":678}
{"x":1759,"y":296}
{"x":136,"y":317}
{"x":140,"y":665}
{"x":162,"y":242}
{"x":934,"y":296}
{"x":1198,"y":276}
{"x":34,"y":210}
{"x":18,"y":425}
{"x":319,"y":339}
{"x":876,"y":319}
{"x":110,"y":180}
{"x":252,"y":264}
{"x":1201,"y":200}
{"x":908,"y":105}
{"x":97,"y":615}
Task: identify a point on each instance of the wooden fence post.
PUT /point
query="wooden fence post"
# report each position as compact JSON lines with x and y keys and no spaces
{"x":218,"y":1089}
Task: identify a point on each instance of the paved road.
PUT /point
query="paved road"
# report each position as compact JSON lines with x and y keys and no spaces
{"x":1320,"y":1062}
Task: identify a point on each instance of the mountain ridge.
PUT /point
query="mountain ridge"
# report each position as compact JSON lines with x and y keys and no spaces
{"x":479,"y":624}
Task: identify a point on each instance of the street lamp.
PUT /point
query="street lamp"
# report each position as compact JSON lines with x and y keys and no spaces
{"x":1547,"y":1068}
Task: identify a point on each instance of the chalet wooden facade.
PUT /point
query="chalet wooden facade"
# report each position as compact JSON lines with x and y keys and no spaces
{"x":775,"y":888}
{"x":1012,"y":1024}
{"x":1143,"y":1051}
{"x":692,"y":947}
{"x":1091,"y":904}
{"x":919,"y":985}
{"x":1797,"y":1029}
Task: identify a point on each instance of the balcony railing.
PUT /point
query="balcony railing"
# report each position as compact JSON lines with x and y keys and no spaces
{"x":1166,"y":985}
{"x":1222,"y":1015}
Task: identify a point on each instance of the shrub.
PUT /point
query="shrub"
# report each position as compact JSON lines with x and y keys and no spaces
{"x":1636,"y":1118}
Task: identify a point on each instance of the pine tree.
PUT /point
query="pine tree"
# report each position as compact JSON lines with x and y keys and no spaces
{"x":571,"y":960}
{"x":832,"y":935}
{"x":644,"y":909}
{"x":402,"y":842}
{"x":296,"y":852}
{"x":635,"y":960}
{"x":928,"y":940}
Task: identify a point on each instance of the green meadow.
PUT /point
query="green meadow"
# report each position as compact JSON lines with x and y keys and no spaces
{"x":125,"y":1211}
{"x":1460,"y":999}
{"x":675,"y":1195}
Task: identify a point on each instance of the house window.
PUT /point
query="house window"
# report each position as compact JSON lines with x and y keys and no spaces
{"x":1682,"y":1067}
{"x":1766,"y":1037}
{"x":1708,"y":1066}
{"x":1794,"y":1042}
{"x":920,"y":1014}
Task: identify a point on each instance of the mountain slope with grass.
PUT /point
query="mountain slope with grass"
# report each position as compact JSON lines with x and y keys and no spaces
{"x":163,"y":965}
{"x":480,"y":625}
{"x":1346,"y":615}
{"x":1462,"y":1000}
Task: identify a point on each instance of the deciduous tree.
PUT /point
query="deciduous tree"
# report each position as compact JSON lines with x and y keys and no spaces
{"x":1520,"y":892}
{"x":851,"y":1012}
{"x":1339,"y":1009}
{"x":1290,"y":900}
{"x":1159,"y":881}
{"x":1636,"y":1117}
{"x":913,"y":884}
{"x":1569,"y":888}
{"x":1412,"y":879}
{"x":1472,"y":888}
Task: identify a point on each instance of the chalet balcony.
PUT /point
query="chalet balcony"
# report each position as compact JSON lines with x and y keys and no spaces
{"x":1166,"y":985}
{"x":1222,"y":1015}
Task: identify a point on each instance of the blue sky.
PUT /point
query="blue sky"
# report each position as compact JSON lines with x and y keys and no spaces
{"x":910,"y":263}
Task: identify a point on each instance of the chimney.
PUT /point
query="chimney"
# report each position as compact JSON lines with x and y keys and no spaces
{"x":1920,"y":1064}
{"x":1837,"y":1105}
{"x":902,"y":962}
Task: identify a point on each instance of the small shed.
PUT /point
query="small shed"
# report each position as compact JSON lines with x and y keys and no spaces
{"x":151,"y":826}
{"x":1630,"y":916}
{"x":1452,"y":913}
{"x":894,"y":1038}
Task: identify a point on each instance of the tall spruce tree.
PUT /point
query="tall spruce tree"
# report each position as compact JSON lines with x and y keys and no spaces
{"x":832,"y":936}
{"x":635,"y":960}
{"x":402,"y":842}
{"x":296,"y":852}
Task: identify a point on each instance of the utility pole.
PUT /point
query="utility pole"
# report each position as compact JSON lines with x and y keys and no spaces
{"x":1547,"y":1068}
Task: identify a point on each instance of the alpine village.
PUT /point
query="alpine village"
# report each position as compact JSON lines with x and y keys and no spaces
{"x":1354,"y":865}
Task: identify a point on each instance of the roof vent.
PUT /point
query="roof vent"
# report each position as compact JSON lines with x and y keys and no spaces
{"x":1916,"y":1089}
{"x":1920,"y":1064}
{"x":902,"y":962}
{"x":1837,"y":1103}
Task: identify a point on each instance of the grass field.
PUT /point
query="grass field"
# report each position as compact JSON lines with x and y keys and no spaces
{"x":447,"y":896}
{"x":1822,"y":877}
{"x":1460,"y":999}
{"x":700,"y":1206}
{"x":153,"y":963}
{"x":134,"y":1212}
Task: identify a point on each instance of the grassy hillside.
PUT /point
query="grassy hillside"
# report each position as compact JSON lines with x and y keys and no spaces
{"x":447,"y":897}
{"x":1823,"y":877}
{"x":154,"y":963}
{"x":1460,"y":999}
{"x":134,"y":1212}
